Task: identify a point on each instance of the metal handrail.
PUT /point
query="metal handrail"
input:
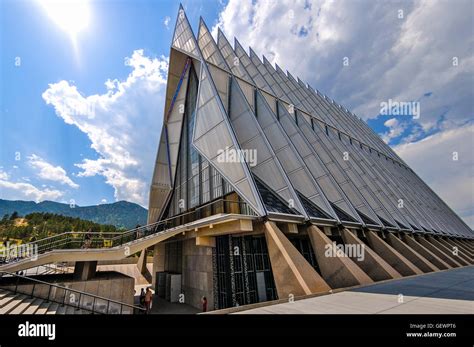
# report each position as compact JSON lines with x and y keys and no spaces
{"x":63,"y":302}
{"x":68,"y":239}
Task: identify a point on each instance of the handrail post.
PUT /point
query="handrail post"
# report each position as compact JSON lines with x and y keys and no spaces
{"x":16,"y":284}
{"x":49,"y":293}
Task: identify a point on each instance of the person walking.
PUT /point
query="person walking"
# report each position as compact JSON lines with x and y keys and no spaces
{"x":148,"y":299}
{"x":142,"y":297}
{"x":204,"y":304}
{"x":88,"y":239}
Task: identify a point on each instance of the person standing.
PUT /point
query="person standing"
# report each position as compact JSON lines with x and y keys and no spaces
{"x":204,"y":304}
{"x":148,"y":299}
{"x":142,"y":297}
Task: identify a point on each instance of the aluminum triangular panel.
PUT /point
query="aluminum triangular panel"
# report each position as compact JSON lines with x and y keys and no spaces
{"x":209,"y":48}
{"x":231,"y":58}
{"x":214,"y":140}
{"x":289,"y":158}
{"x":174,"y":122}
{"x":330,"y":188}
{"x":183,"y":37}
{"x":252,"y":139}
{"x":250,"y":67}
{"x":161,"y":181}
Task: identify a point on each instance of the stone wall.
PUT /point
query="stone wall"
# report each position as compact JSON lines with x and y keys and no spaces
{"x":197,"y":280}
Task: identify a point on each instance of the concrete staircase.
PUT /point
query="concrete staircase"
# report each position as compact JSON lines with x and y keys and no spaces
{"x":11,"y":303}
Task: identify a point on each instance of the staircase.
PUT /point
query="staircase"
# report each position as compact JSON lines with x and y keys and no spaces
{"x":11,"y":303}
{"x":25,"y":295}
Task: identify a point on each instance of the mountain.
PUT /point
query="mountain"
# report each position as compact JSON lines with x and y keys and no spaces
{"x":122,"y":214}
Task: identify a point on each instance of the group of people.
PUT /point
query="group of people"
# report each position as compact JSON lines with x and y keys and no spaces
{"x":146,"y":298}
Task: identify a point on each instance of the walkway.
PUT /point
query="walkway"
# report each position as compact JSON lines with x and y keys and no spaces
{"x":446,"y":292}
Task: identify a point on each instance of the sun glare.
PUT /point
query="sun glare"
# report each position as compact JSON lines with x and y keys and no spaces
{"x":72,"y":16}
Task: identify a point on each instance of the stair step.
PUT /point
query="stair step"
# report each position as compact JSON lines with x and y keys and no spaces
{"x":3,"y":294}
{"x":34,"y":306}
{"x":6,"y":299}
{"x":12,"y":304}
{"x":52,"y":308}
{"x":23,"y":306}
{"x":43,"y":308}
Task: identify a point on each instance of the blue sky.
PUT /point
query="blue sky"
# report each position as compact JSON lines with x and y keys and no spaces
{"x":80,"y":121}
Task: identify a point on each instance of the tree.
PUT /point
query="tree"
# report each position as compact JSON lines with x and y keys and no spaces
{"x":14,"y":215}
{"x":5,"y":218}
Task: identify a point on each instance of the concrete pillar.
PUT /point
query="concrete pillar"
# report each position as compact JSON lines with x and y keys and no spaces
{"x":158,"y":261}
{"x":338,"y":270}
{"x":426,"y":253}
{"x":436,"y":251}
{"x":141,"y":264}
{"x":448,"y":251}
{"x":413,"y":256}
{"x":84,"y":270}
{"x":465,"y":247}
{"x":293,"y":275}
{"x":468,"y":244}
{"x":369,"y":261}
{"x":460,"y":249}
{"x":391,"y":255}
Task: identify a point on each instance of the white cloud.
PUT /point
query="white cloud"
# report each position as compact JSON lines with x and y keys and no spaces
{"x":27,"y":191}
{"x":122,"y":124}
{"x":453,"y":180}
{"x":167,"y":21}
{"x":103,"y":201}
{"x":389,"y":58}
{"x":396,"y":129}
{"x":50,"y":172}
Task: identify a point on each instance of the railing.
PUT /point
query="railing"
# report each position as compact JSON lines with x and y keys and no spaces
{"x":88,"y":240}
{"x":47,"y":269}
{"x":66,"y":296}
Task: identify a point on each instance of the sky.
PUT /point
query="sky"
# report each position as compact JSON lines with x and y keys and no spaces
{"x":82,"y":85}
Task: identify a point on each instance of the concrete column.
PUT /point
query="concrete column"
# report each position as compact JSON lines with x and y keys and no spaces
{"x":338,"y":270}
{"x":391,"y":255}
{"x":84,"y":270}
{"x":431,"y":247}
{"x":293,"y":275}
{"x":461,"y":250}
{"x":413,"y":256}
{"x":158,"y":261}
{"x":369,"y":261}
{"x":468,"y":244}
{"x":462,"y":245}
{"x":141,"y":264}
{"x":448,"y":251}
{"x":426,"y":253}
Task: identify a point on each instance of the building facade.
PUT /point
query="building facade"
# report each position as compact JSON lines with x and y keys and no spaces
{"x":273,"y":180}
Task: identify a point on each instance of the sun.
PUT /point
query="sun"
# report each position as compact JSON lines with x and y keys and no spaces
{"x":72,"y":16}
